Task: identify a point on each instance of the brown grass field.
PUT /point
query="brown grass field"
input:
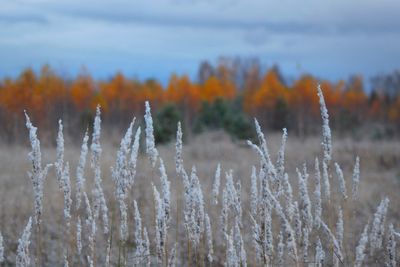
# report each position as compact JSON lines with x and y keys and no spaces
{"x":380,"y":176}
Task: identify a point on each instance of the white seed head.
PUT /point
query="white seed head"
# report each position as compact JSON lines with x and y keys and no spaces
{"x":391,"y":248}
{"x":59,"y":164}
{"x":80,"y":171}
{"x":378,"y":224}
{"x":209,"y":239}
{"x":1,"y":248}
{"x":216,"y":184}
{"x":23,"y":257}
{"x":342,"y":183}
{"x":178,"y":149}
{"x":360,"y":249}
{"x":326,"y":130}
{"x":356,"y":179}
{"x":317,"y":195}
{"x":319,"y":254}
{"x":150,"y":142}
{"x":38,"y":174}
{"x":79,"y":236}
{"x":326,"y":187}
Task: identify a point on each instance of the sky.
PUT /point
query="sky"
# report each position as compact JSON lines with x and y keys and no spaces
{"x":154,"y":38}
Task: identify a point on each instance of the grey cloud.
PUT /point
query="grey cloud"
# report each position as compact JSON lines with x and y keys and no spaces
{"x":22,"y":18}
{"x":348,"y":26}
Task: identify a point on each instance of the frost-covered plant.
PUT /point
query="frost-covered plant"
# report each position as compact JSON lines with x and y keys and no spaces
{"x":59,"y":164}
{"x":356,"y":179}
{"x":160,"y":223}
{"x":99,"y":201}
{"x":317,"y":203}
{"x":378,"y":226}
{"x":195,"y":226}
{"x":216,"y":184}
{"x":166,"y":193}
{"x":360,"y":249}
{"x":326,"y":186}
{"x":1,"y":248}
{"x":91,"y":228}
{"x":280,"y":249}
{"x":209,"y":239}
{"x":172,"y":257}
{"x":336,"y":245}
{"x":340,"y":227}
{"x":79,"y":236}
{"x":23,"y":257}
{"x":342,"y":183}
{"x":305,"y":203}
{"x":151,"y":149}
{"x":80,"y":171}
{"x":391,"y":247}
{"x":326,"y":130}
{"x":178,"y":149}
{"x":38,"y":174}
{"x":121,"y":175}
{"x":140,"y":253}
{"x":319,"y":254}
{"x":253,"y":192}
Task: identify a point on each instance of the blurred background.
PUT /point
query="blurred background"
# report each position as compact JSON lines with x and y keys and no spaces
{"x":212,"y":64}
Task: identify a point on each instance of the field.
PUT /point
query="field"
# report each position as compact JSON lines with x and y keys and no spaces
{"x":246,"y":228}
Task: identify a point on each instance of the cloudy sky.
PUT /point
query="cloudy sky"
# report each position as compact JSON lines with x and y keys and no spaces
{"x":152,"y":38}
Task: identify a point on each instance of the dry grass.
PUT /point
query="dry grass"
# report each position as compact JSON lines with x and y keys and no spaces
{"x":380,"y":176}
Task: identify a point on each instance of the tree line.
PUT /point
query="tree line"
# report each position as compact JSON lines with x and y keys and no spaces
{"x":224,"y":95}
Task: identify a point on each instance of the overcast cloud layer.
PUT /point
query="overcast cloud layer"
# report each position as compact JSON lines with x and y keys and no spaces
{"x":330,"y":38}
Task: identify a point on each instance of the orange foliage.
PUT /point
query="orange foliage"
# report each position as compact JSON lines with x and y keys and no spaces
{"x":270,"y":91}
{"x":182,"y":90}
{"x":304,"y":94}
{"x":82,"y":91}
{"x":214,"y":88}
{"x":43,"y":94}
